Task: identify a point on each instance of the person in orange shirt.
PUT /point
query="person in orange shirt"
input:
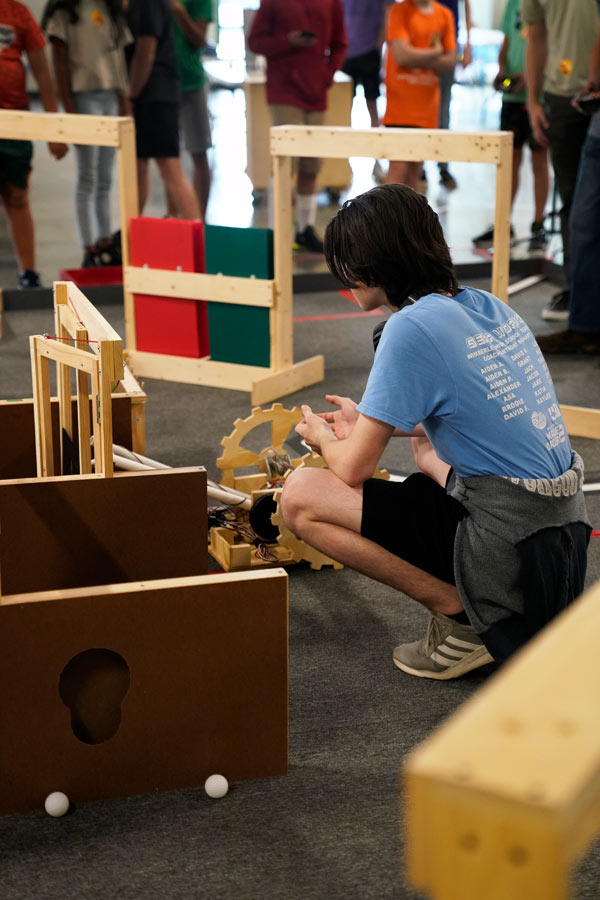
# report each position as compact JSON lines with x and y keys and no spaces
{"x":421,"y":43}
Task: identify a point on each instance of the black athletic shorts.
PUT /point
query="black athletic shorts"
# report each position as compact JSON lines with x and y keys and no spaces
{"x":15,"y":162}
{"x":365,"y":70}
{"x":156,"y":129}
{"x":514,"y":117}
{"x":414,"y":519}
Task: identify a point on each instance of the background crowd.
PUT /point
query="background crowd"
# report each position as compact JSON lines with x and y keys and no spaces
{"x":145,"y":58}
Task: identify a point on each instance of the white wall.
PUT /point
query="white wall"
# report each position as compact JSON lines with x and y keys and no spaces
{"x":487,"y":13}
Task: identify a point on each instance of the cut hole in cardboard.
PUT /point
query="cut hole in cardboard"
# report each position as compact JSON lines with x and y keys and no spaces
{"x":93,"y":686}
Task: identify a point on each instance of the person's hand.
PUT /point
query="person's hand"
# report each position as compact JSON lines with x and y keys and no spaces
{"x":299,"y":39}
{"x":497,"y":82}
{"x":436,"y":43}
{"x":467,"y":56}
{"x":344,"y":419}
{"x":518,"y":83}
{"x":313,"y":429}
{"x":58,"y":150}
{"x":539,"y":124}
{"x":125,"y":106}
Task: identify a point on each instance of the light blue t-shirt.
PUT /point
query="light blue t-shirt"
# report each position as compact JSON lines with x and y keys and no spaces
{"x":469,"y":369}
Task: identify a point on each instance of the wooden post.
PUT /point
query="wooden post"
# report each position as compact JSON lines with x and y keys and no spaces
{"x":129,"y":201}
{"x":501,"y":257}
{"x":280,"y":316}
{"x":42,"y":414}
{"x":63,"y":372}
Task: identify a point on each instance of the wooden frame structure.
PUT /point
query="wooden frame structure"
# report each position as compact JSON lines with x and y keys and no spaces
{"x":495,"y":147}
{"x":75,"y":319}
{"x":505,"y":797}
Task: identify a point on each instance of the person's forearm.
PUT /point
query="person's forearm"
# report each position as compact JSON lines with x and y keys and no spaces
{"x":61,"y":74}
{"x":413,"y":57}
{"x":194,"y":31}
{"x":43,"y":77}
{"x":445,"y":63}
{"x":141,"y":66}
{"x":341,"y":459}
{"x":594,"y":70}
{"x":535,"y":58}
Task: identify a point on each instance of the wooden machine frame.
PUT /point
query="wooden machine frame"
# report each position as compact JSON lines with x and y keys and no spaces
{"x":504,"y":798}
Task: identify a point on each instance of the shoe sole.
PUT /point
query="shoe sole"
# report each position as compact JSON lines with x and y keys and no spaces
{"x":476,"y":659}
{"x":551,"y":316}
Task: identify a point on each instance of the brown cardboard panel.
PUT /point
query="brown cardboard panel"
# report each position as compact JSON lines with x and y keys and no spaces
{"x":76,"y":531}
{"x":207,"y":693}
{"x":17,"y":434}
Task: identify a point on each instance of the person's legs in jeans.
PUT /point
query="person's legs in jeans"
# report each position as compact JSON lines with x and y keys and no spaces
{"x":566,"y":133}
{"x":584,"y":312}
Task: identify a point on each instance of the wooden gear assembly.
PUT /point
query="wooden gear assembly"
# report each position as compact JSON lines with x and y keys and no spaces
{"x":230,"y":549}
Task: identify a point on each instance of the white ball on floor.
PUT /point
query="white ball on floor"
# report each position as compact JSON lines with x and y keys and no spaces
{"x":216,"y":786}
{"x":56,"y":804}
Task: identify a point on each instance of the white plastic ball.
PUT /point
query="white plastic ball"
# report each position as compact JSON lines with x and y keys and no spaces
{"x":56,"y":804}
{"x":216,"y":786}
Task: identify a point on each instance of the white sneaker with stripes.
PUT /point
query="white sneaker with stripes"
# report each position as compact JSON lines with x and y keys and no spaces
{"x":448,"y":650}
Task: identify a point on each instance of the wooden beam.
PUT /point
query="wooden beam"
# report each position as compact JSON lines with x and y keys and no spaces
{"x":64,"y":353}
{"x":129,"y":207}
{"x":505,"y":796}
{"x":581,"y":421}
{"x":70,"y":128}
{"x":281,"y":317}
{"x":286,"y":381}
{"x":194,"y":371}
{"x":389,"y":143}
{"x":198,"y":286}
{"x":501,"y":257}
{"x":98,"y":329}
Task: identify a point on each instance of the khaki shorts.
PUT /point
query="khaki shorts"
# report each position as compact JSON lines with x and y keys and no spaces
{"x":282,"y":114}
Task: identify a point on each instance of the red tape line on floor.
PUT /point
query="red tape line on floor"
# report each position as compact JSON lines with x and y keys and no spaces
{"x":356,"y":315}
{"x":595,"y":533}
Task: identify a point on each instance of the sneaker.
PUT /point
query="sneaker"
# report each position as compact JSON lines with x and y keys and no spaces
{"x":89,"y":260}
{"x":110,"y":254}
{"x":487,"y":237}
{"x":29,"y":279}
{"x":570,"y":342}
{"x":448,"y":650}
{"x":308,"y":240}
{"x":448,"y":180}
{"x":558,"y":308}
{"x":378,"y":173}
{"x":538,"y":239}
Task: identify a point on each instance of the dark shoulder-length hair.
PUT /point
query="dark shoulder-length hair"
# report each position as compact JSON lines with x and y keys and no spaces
{"x":389,"y":237}
{"x":71,"y":7}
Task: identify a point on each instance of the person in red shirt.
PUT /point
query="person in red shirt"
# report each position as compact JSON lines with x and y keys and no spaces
{"x":305,"y":43}
{"x":421,"y":43}
{"x":20,"y":34}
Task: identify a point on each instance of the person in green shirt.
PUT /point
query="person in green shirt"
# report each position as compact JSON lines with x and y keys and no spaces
{"x":190,"y":22}
{"x":514,"y":117}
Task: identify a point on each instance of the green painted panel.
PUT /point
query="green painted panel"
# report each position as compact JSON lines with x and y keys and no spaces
{"x":238,"y":333}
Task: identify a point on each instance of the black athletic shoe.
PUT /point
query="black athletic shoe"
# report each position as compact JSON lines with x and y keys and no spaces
{"x":487,"y":237}
{"x":558,"y":308}
{"x":538,"y":239}
{"x":308,"y":240}
{"x":448,"y":180}
{"x":29,"y":279}
{"x":90,"y":259}
{"x":570,"y":342}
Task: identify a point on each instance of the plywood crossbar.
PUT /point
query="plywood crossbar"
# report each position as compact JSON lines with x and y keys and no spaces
{"x":383,"y":143}
{"x":505,"y":797}
{"x":198,"y":286}
{"x":418,"y":144}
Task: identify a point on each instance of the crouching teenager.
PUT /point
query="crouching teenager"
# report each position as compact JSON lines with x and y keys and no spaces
{"x":491,"y":535}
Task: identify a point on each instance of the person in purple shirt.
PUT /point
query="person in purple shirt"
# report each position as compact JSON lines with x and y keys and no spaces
{"x":365,"y":30}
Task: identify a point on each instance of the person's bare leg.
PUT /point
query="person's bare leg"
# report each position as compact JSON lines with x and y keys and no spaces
{"x":372,"y":107}
{"x":404,"y":173}
{"x":16,"y":201}
{"x":143,"y":182}
{"x":201,"y":181}
{"x":178,"y":187}
{"x":306,"y":183}
{"x":516,"y":165}
{"x":541,"y":180}
{"x":326,"y":513}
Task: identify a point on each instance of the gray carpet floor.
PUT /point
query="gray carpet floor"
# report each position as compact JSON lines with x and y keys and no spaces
{"x":332,"y":828}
